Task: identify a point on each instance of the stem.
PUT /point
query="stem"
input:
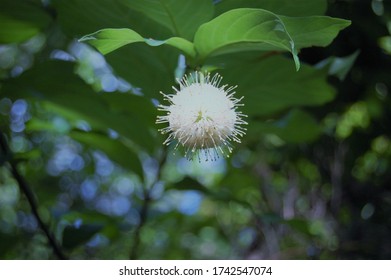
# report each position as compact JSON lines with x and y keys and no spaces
{"x":145,"y":209}
{"x":25,"y":188}
{"x":143,"y":219}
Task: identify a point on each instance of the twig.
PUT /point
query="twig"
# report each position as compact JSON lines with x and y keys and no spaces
{"x":144,"y":209}
{"x":143,"y":219}
{"x":25,"y":188}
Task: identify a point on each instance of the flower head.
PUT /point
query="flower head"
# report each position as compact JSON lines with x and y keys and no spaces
{"x":202,"y":116}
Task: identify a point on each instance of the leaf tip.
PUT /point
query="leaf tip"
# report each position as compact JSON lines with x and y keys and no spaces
{"x":86,"y":38}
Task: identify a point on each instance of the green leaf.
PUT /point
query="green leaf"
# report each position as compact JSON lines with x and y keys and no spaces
{"x":385,"y":44}
{"x":339,"y":66}
{"x":113,"y":148}
{"x":182,"y":18}
{"x":8,"y":242}
{"x":21,"y":20}
{"x":189,"y":183}
{"x":256,"y":29}
{"x":76,"y":236}
{"x":244,"y":29}
{"x":108,"y":40}
{"x":317,"y":31}
{"x":131,"y":106}
{"x":151,"y":69}
{"x":79,"y":17}
{"x":296,"y":127}
{"x":300,"y":225}
{"x":270,"y":85}
{"x":224,"y":195}
{"x":281,"y":7}
{"x":54,"y":83}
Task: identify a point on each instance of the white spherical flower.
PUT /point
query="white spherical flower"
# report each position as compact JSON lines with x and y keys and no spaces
{"x":202,"y":116}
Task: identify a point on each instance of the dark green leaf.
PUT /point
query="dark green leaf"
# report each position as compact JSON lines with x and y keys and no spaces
{"x":182,"y":18}
{"x":78,"y":17}
{"x":76,"y":236}
{"x":151,"y":69}
{"x":385,"y":43}
{"x":113,"y":148}
{"x":222,"y":195}
{"x":21,"y":20}
{"x":281,"y":7}
{"x":299,"y":225}
{"x":189,"y":183}
{"x":271,"y":85}
{"x":55,"y":83}
{"x":296,"y":127}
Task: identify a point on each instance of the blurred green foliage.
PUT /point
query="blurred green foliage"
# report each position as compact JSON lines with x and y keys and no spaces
{"x":79,"y":85}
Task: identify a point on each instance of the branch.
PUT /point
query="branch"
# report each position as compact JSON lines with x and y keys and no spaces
{"x":143,"y":219}
{"x":145,"y":208}
{"x":25,"y":188}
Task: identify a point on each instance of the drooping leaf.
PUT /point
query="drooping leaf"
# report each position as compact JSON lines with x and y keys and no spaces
{"x":182,"y":18}
{"x":270,"y":85}
{"x":296,"y":127}
{"x":244,"y":29}
{"x":21,"y":20}
{"x":113,"y":148}
{"x":110,"y":39}
{"x":281,"y":7}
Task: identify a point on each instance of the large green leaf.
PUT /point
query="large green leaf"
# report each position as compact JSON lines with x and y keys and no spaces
{"x":296,"y":127}
{"x":317,"y":31}
{"x":110,"y":39}
{"x":55,"y":82}
{"x":131,"y":106}
{"x":269,"y":84}
{"x":21,"y":20}
{"x":151,"y":69}
{"x":182,"y":18}
{"x":80,"y":17}
{"x":282,"y":7}
{"x":256,"y":29}
{"x":244,"y":29}
{"x":113,"y":148}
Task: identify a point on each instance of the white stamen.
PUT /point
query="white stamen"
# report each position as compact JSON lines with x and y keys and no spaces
{"x":202,"y":115}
